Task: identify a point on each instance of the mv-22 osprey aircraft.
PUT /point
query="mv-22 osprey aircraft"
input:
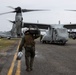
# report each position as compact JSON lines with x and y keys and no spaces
{"x":55,"y":33}
{"x":18,"y":23}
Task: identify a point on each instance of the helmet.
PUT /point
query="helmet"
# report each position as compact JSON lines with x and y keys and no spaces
{"x":27,"y":32}
{"x":19,"y":56}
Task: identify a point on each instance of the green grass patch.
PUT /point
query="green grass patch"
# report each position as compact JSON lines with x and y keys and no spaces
{"x":5,"y":43}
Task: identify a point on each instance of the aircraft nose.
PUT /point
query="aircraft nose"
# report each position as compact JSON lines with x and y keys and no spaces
{"x":64,"y":37}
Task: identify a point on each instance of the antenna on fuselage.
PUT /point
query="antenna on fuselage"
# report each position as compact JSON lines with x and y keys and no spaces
{"x":37,"y":21}
{"x":59,"y":22}
{"x":70,"y":23}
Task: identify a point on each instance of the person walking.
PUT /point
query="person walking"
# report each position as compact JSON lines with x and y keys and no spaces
{"x":29,"y":44}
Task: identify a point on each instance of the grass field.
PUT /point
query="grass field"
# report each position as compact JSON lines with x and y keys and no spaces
{"x":5,"y":43}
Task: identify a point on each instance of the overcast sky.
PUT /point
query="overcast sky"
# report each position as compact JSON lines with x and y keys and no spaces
{"x":57,"y":12}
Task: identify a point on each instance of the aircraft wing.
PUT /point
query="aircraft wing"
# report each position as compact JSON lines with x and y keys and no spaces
{"x":38,"y":25}
{"x":70,"y":26}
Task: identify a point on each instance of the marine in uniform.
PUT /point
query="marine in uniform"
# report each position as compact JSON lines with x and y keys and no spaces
{"x":29,"y":44}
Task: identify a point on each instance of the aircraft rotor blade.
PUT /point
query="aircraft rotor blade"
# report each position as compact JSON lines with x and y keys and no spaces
{"x":11,"y":7}
{"x":70,"y":10}
{"x":11,"y":21}
{"x":7,"y":12}
{"x":29,"y":10}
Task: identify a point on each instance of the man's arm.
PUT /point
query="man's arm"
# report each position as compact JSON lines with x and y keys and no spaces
{"x":21,"y":44}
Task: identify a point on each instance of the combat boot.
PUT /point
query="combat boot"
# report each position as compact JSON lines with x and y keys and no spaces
{"x":27,"y":69}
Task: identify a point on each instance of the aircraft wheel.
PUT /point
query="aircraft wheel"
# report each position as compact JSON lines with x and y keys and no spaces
{"x":63,"y":43}
{"x":48,"y":41}
{"x":43,"y":42}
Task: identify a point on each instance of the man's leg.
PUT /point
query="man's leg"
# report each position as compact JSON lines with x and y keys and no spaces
{"x":32,"y":57}
{"x":31,"y":63}
{"x":27,"y":62}
{"x":27,"y":59}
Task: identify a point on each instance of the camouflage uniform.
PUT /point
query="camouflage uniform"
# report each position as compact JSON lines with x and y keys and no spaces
{"x":29,"y":45}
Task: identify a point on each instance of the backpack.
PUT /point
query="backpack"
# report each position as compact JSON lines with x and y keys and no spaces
{"x":29,"y":40}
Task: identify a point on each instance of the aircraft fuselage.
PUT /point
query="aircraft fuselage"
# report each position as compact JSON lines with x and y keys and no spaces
{"x":18,"y":23}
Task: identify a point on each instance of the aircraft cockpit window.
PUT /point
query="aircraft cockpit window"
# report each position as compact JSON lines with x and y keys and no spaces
{"x":62,"y":30}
